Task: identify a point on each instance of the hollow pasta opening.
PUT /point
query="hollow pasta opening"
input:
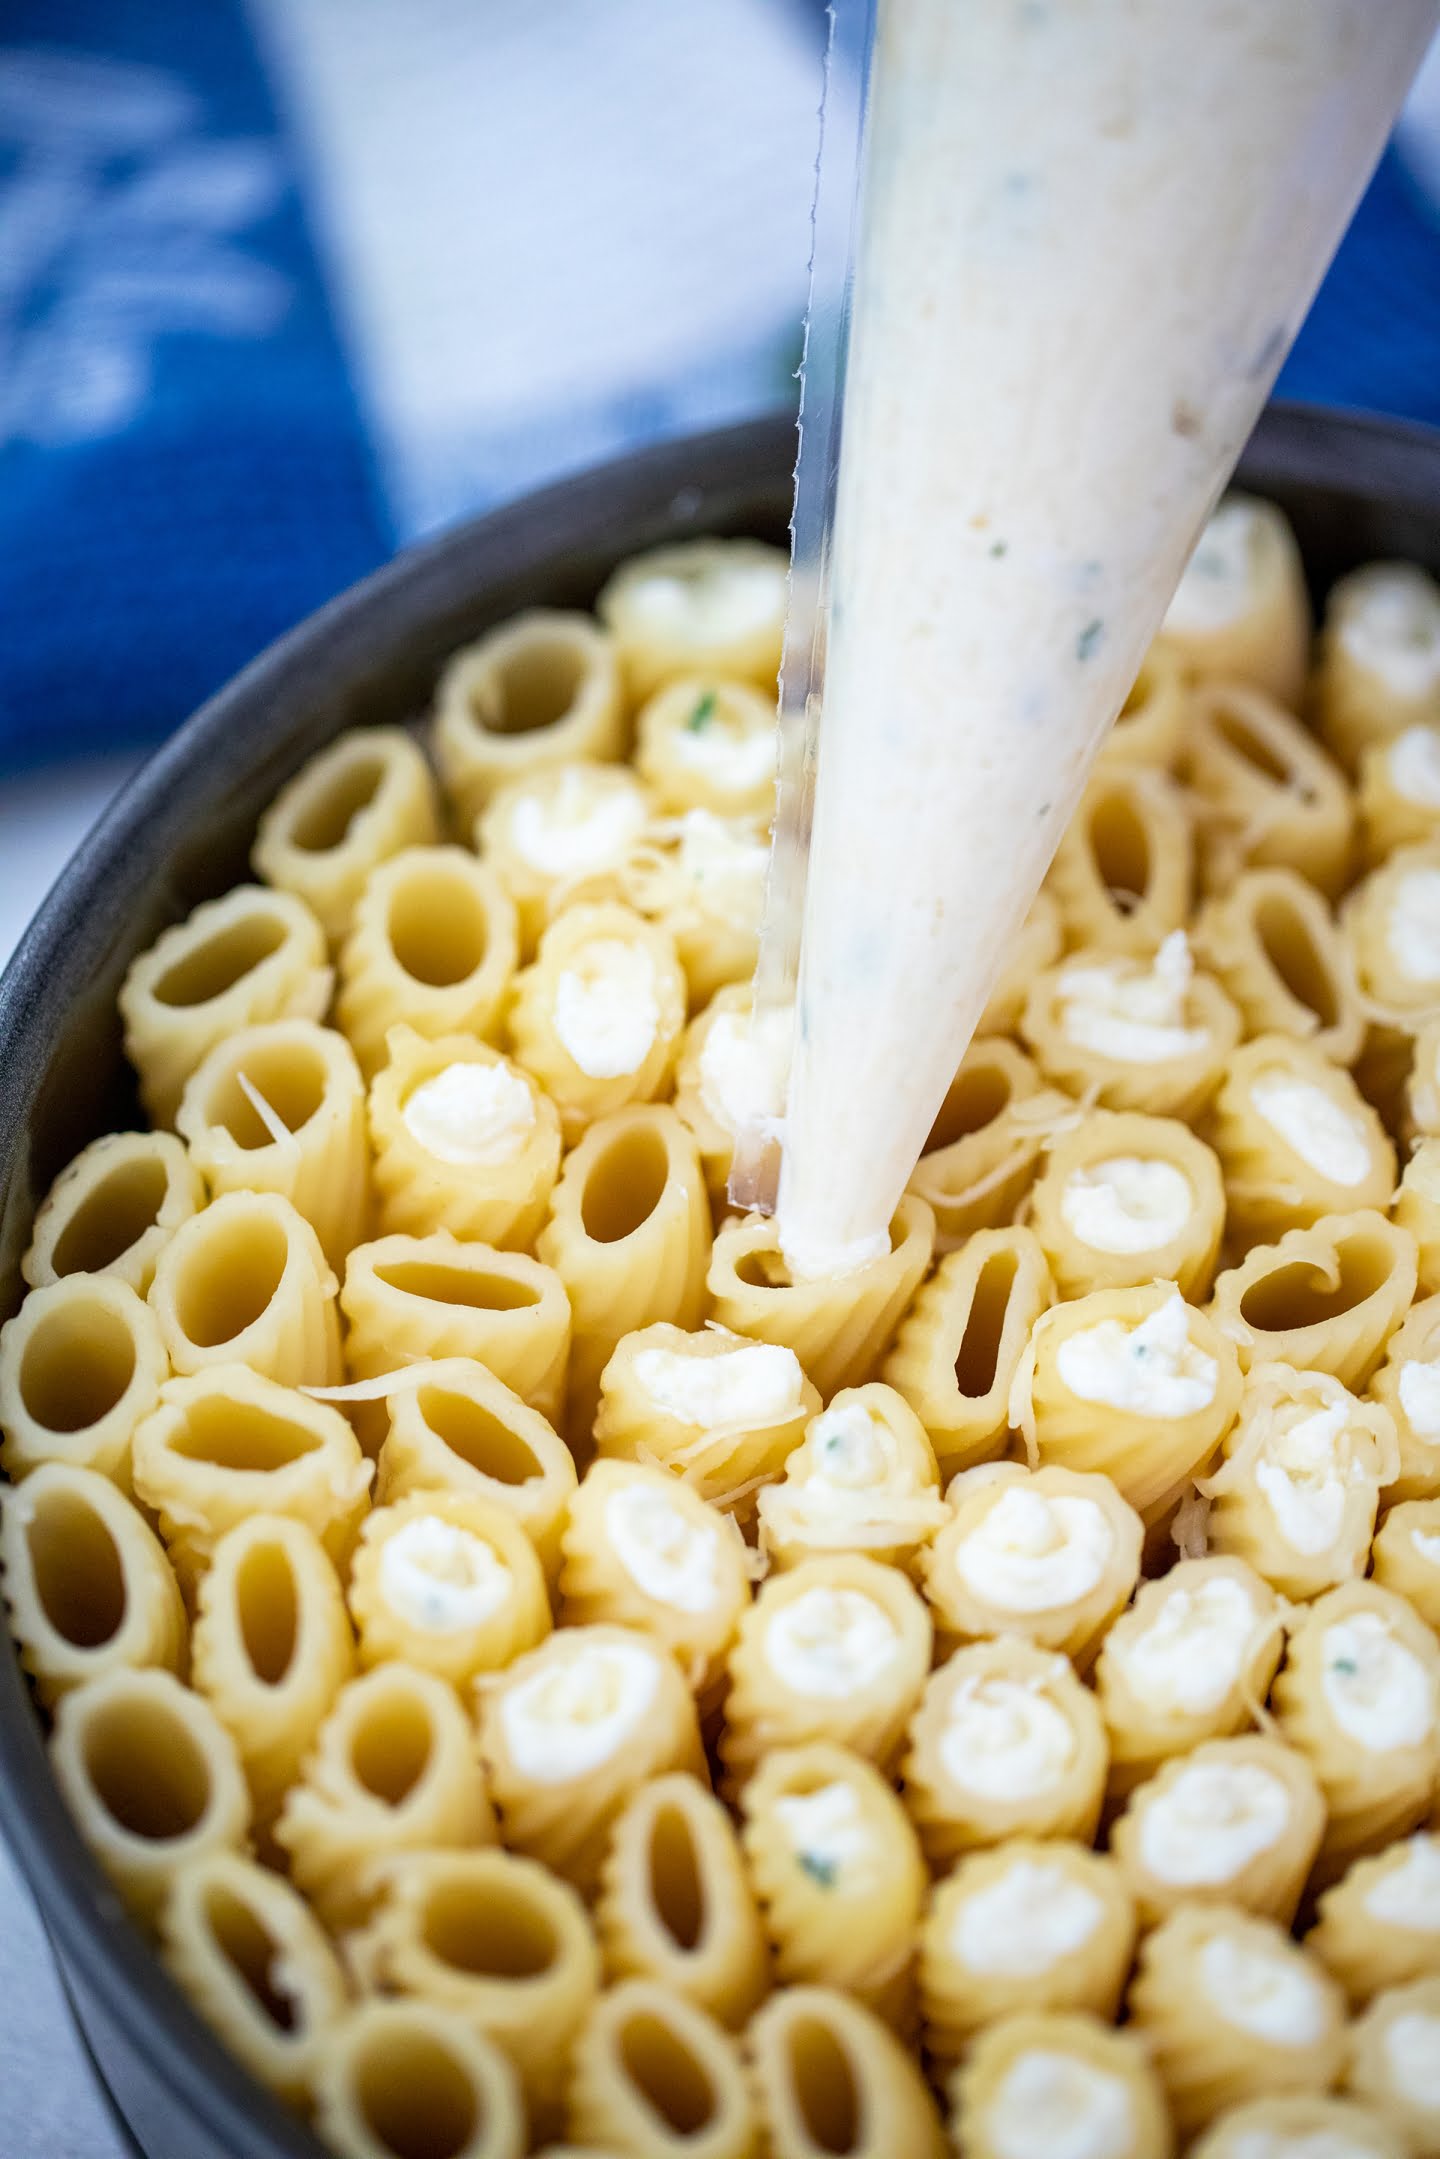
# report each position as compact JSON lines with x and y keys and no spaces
{"x":1142,"y":692}
{"x":822,"y":2081}
{"x":1285,"y":938}
{"x":417,"y":2099}
{"x":114,"y":1214}
{"x":437,"y":928}
{"x":78,"y":1362}
{"x":1249,"y":742}
{"x":497,"y":1930}
{"x":663,"y":2070}
{"x":291,"y":1081}
{"x":78,"y":1573}
{"x":977,"y":1096}
{"x":252,"y":1951}
{"x":532,"y":687}
{"x":438,"y":1284}
{"x":977,"y":1361}
{"x":1120,"y":849}
{"x":763,"y":1269}
{"x":232,"y":1270}
{"x":219,"y":961}
{"x":325,"y":822}
{"x":1297,"y":1295}
{"x":479,"y":1438}
{"x":677,"y":1884}
{"x":241,"y":1435}
{"x":146,"y":1769}
{"x":624,"y":1186}
{"x":390,"y":1747}
{"x":268,"y":1611}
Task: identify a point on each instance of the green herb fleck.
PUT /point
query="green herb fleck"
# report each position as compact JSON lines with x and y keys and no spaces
{"x":1088,"y":639}
{"x":823,"y":1871}
{"x":703,"y":714}
{"x":1347,"y":1665}
{"x":999,"y":548}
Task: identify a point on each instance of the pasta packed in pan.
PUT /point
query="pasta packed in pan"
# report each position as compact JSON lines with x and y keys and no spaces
{"x":546,"y":1679}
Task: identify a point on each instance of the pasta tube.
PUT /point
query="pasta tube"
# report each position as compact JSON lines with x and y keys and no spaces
{"x":246,"y":1282}
{"x":656,"y":2076}
{"x":449,"y":1582}
{"x":538,"y":690}
{"x":151,"y":1777}
{"x":731,"y":1068}
{"x":1323,"y":1299}
{"x":839,"y":1875}
{"x":1047,"y":2081}
{"x":1263,"y":790}
{"x":1422,"y":1087}
{"x":1296,"y":1141}
{"x":1030,"y":1926}
{"x":700,"y":607}
{"x":81,"y":1364}
{"x":1125,"y":1199}
{"x":1398,"y":796}
{"x":560,"y":830}
{"x":1379,"y":658}
{"x":1242,"y":611}
{"x":1231,"y":2009}
{"x":829,"y":2076}
{"x":597,"y":1015}
{"x":1133,"y":1031}
{"x":1271,"y":942}
{"x":1035,"y":946}
{"x":1237,"y":1822}
{"x":1150,"y":725}
{"x":705,"y":743}
{"x":406,"y":2076}
{"x":839,"y":1327}
{"x":434,"y":945}
{"x":985,"y":1147}
{"x":1298,"y":2127}
{"x":863,"y":1480}
{"x":349,"y":808}
{"x":1394,"y":2049}
{"x":961,"y":1343}
{"x":676,"y":1905}
{"x":1406,"y":1556}
{"x":87,"y":1586}
{"x":1408,"y":1385}
{"x":702,"y":879}
{"x":1006,"y":1743}
{"x":1387,"y":922}
{"x":1379,"y":1925}
{"x":572,"y":1730}
{"x":281,"y":1108}
{"x":1417,"y":1209}
{"x":112,"y":1209}
{"x":1123,"y":872}
{"x":393,"y":1771}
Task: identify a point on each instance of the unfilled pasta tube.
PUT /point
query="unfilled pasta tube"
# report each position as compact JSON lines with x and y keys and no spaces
{"x":81,"y":1364}
{"x":675,"y":1902}
{"x":1125,"y":1199}
{"x":151,"y":1777}
{"x":257,"y":1965}
{"x":707,"y":743}
{"x":1297,"y":1141}
{"x":960,"y":1344}
{"x":1135,"y":1031}
{"x":1416,"y":1208}
{"x":701,"y":878}
{"x":399,"y":2077}
{"x":655,"y":2076}
{"x":246,"y":1282}
{"x":839,"y":1328}
{"x":1030,"y":1926}
{"x":1378,"y":666}
{"x":1394,"y":2049}
{"x":1263,"y":790}
{"x":572,"y":1730}
{"x":447,"y":1581}
{"x":1271,"y":942}
{"x":393,"y":1771}
{"x":836,"y":1648}
{"x":281,"y":1108}
{"x":1408,"y":1385}
{"x":731,"y":1068}
{"x":349,"y":808}
{"x":1242,"y":611}
{"x":1398,"y":795}
{"x":864,"y":1479}
{"x":1006,"y":1743}
{"x":597,"y":1015}
{"x":560,"y":830}
{"x":629,"y":1235}
{"x":463,"y":1139}
{"x":1405,"y":1556}
{"x":839,"y":1875}
{"x":1123,"y":872}
{"x":112,"y":1209}
{"x":1237,"y":1822}
{"x":1324,"y":1299}
{"x":541,"y":688}
{"x":1043,"y":2081}
{"x":1036,"y":945}
{"x":830,"y":2076}
{"x":711,"y":607}
{"x":1231,"y":2009}
{"x":1301,"y":2126}
{"x":1379,"y":1925}
{"x":86,"y":1583}
{"x":1150,"y":725}
{"x":253,"y":955}
{"x":434,"y":945}
{"x":986,"y":1144}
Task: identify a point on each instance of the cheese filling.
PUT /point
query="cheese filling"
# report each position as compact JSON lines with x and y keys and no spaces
{"x":744,"y":1063}
{"x":1054,"y":2104}
{"x":734,"y":757}
{"x":714,"y":603}
{"x":1192,"y":1654}
{"x":1005,"y":1740}
{"x":606,"y":1010}
{"x":1379,"y":1694}
{"x":666,"y":1553}
{"x":1152,"y":1370}
{"x":1036,"y":1552}
{"x":577,"y":829}
{"x":1129,"y":1204}
{"x":580,"y":1709}
{"x":826,"y":1829}
{"x":1305,"y":1476}
{"x":1313,"y":1125}
{"x":1412,"y":2053}
{"x":1218,"y":583}
{"x":1389,"y":622}
{"x":440,"y":1578}
{"x":1130,"y":1014}
{"x":750,"y":1386}
{"x":831,"y":1643}
{"x":1415,"y":766}
{"x":1408,"y":1895}
{"x":1413,"y":929}
{"x":471,"y":1114}
{"x":1427,"y":1545}
{"x":1028,"y":1920}
{"x":725,"y":861}
{"x":1216,"y":1818}
{"x":1420,"y":1398}
{"x":1301,"y":2144}
{"x":1271,"y":1996}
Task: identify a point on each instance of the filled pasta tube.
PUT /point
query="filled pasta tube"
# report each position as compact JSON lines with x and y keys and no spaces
{"x":1036,"y":945}
{"x":1408,"y":1385}
{"x":730,"y":1072}
{"x":398,"y":2077}
{"x":1379,"y":1925}
{"x":1032,"y":1926}
{"x":961,"y":1342}
{"x":86,"y":1583}
{"x":393,"y":1771}
{"x":1387,"y":922}
{"x":656,"y":2076}
{"x":1241,"y":611}
{"x":281,"y":1108}
{"x":705,"y":742}
{"x":1297,"y":1141}
{"x":112,"y":1209}
{"x":1150,"y":725}
{"x":712,"y":607}
{"x":1323,"y":1299}
{"x":1046,"y":2080}
{"x":1298,"y":2127}
{"x":829,"y":2076}
{"x":1416,"y":1209}
{"x":1378,"y":668}
{"x":349,"y":808}
{"x":1123,"y":872}
{"x":539,"y":689}
{"x":151,"y":1777}
{"x":839,"y":1875}
{"x":1398,"y":793}
{"x":434,"y":945}
{"x":1263,"y":790}
{"x":596,"y":1017}
{"x":1405,"y":1556}
{"x":559,"y":830}
{"x":1272,"y":943}
{"x":676,"y":1905}
{"x":1141,"y":1031}
{"x":1125,"y":1199}
{"x":447,"y":1581}
{"x":246,"y":1282}
{"x":1422,"y":1086}
{"x":81,"y":1364}
{"x":863,"y":1479}
{"x":701,"y":878}
{"x":1237,"y":1822}
{"x":1006,"y":1743}
{"x":1394,"y":2052}
{"x":986,"y":1144}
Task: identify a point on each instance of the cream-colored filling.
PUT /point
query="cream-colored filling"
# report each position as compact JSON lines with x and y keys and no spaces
{"x":1151,"y":1370}
{"x":576,"y":829}
{"x":1271,"y":1996}
{"x":1420,"y":1398}
{"x":667,"y":1553}
{"x":1413,"y":929}
{"x":743,"y":1063}
{"x":725,"y":862}
{"x":581,"y":1709}
{"x":1304,"y":1475}
{"x":1130,"y":1014}
{"x":1427,"y":1546}
{"x":1025,"y":1922}
{"x":1051,"y":2105}
{"x":1389,"y":622}
{"x":752,"y":1385}
{"x":441,"y":1578}
{"x":1415,"y":766}
{"x":1035,"y":1551}
{"x":831,"y":1643}
{"x":606,"y":1010}
{"x":712,"y":604}
{"x":735,"y":758}
{"x":1005,"y":1740}
{"x":471,"y":1114}
{"x":1193,"y":1652}
{"x":826,"y":1829}
{"x":1218,"y":582}
{"x":1216,"y":1818}
{"x":1126,"y":1205}
{"x":1408,"y":1895}
{"x":1412,"y":2054}
{"x":1378,"y":1692}
{"x":1314,"y":1126}
{"x":1302,"y":2144}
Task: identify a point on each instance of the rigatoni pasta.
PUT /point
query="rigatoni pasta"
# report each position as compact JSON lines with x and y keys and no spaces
{"x":81,"y":1364}
{"x":732,"y":1069}
{"x":404,"y":2075}
{"x":1379,"y":1924}
{"x":597,"y":1014}
{"x":1405,"y":1556}
{"x":1398,"y":793}
{"x":829,"y":2076}
{"x":1036,"y":2078}
{"x":535,"y":691}
{"x":1263,"y":790}
{"x":112,"y":1208}
{"x":698,"y":607}
{"x":434,"y":945}
{"x":1296,"y":1139}
{"x":1325,"y":1299}
{"x":1271,"y":941}
{"x":1408,"y":1385}
{"x":559,"y":831}
{"x":1296,"y":2127}
{"x":246,"y":1282}
{"x":961,"y":1342}
{"x":1241,"y":611}
{"x":658,"y":2077}
{"x":724,"y":1412}
{"x":701,"y":878}
{"x":350,"y":807}
{"x":1122,"y":874}
{"x":1416,"y":1208}
{"x":1125,"y":1199}
{"x":1378,"y":661}
{"x":985,"y":1146}
{"x":1150,"y":725}
{"x":863,"y":1479}
{"x":704,"y":742}
{"x":447,"y":1581}
{"x":1237,"y":1822}
{"x":1394,"y":2049}
{"x":1140,"y":1031}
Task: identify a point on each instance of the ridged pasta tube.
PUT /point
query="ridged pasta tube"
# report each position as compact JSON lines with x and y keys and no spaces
{"x":706,"y":743}
{"x":393,"y":1771}
{"x":1386,"y":922}
{"x":561,"y":830}
{"x":1036,"y":945}
{"x":398,"y":2077}
{"x":349,"y":808}
{"x":1032,"y":1926}
{"x":960,"y":1344}
{"x":81,"y":1364}
{"x":257,"y":1965}
{"x":1422,"y":1086}
{"x":1271,"y":942}
{"x":1263,"y":790}
{"x":1405,"y":1556}
{"x":1132,"y":1030}
{"x":1231,"y":2009}
{"x":1297,"y":1141}
{"x":151,"y":1777}
{"x":839,"y":1328}
{"x":86,"y":1583}
{"x":253,"y":955}
{"x":864,"y":1479}
{"x":447,"y":1581}
{"x":1408,"y":1385}
{"x":830,"y":2076}
{"x":1322,"y":1299}
{"x":434,"y":945}
{"x":597,"y":1015}
{"x":1398,"y":792}
{"x":701,"y":878}
{"x":675,"y":1902}
{"x":1301,"y":2126}
{"x":655,"y":2076}
{"x":112,"y":1209}
{"x":1037,"y":2078}
{"x":1416,"y":1208}
{"x":836,"y":1648}
{"x":281,"y":1108}
{"x":986,"y":1144}
{"x":838,"y":1871}
{"x":572,"y":1730}
{"x":711,"y":607}
{"x":1378,"y":664}
{"x":731,"y":1067}
{"x":1125,"y":1199}
{"x":1379,"y":1925}
{"x":1237,"y":1822}
{"x":1123,"y":872}
{"x":1242,"y":611}
{"x":246,"y":1282}
{"x":1006,"y":1743}
{"x":539,"y":689}
{"x":629,"y":1235}
{"x":1150,"y":725}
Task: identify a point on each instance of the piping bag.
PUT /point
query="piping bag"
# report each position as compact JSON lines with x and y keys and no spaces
{"x":1061,"y":248}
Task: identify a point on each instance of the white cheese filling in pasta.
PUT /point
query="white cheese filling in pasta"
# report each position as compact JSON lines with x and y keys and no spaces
{"x":831,"y":1643}
{"x":1304,"y":1474}
{"x":725,"y":861}
{"x":1412,"y":2054}
{"x":735,"y":758}
{"x":440,"y":1578}
{"x":1213,"y":1821}
{"x":667,"y":1554}
{"x":1314,"y":1126}
{"x":471,"y":1114}
{"x":1036,"y":1552}
{"x":1053,"y":2103}
{"x":1409,"y":1895}
{"x":1127,"y":1205}
{"x":752,"y":1385}
{"x":1152,"y":1370}
{"x":606,"y":1010}
{"x":744,"y":1064}
{"x":1415,"y":766}
{"x":1390,"y":623}
{"x":1193,"y":1652}
{"x":1130,"y":1014}
{"x":1029,"y":1919}
{"x":1218,"y":582}
{"x":575,"y":831}
{"x":715,"y":602}
{"x":1420,"y":1398}
{"x":1272,"y":1997}
{"x":826,"y":1829}
{"x":581,"y":1709}
{"x":1378,"y":1692}
{"x":1413,"y":929}
{"x":1005,"y":1740}
{"x":1427,"y":1546}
